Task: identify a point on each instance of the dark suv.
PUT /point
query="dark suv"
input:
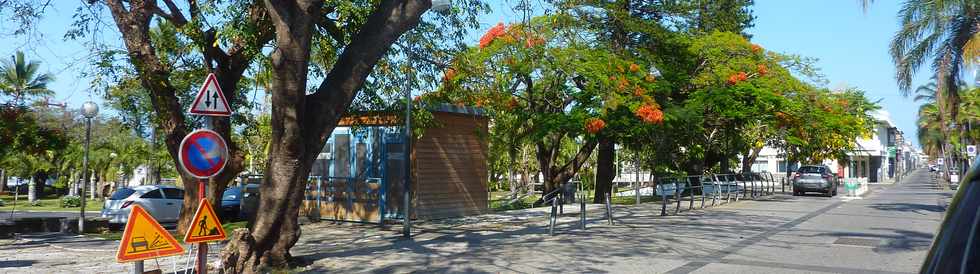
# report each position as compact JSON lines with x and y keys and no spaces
{"x":815,"y":178}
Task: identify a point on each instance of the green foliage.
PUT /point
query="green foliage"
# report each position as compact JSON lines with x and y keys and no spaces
{"x":70,"y":201}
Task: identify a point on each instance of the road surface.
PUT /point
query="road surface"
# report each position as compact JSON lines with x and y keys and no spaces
{"x":889,"y":231}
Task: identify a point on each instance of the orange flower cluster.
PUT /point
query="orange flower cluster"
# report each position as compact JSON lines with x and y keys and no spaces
{"x":650,"y":114}
{"x":639,"y":91}
{"x":449,"y":75}
{"x":534,"y":41}
{"x":622,"y":83}
{"x":756,"y":48}
{"x":594,"y":125}
{"x":417,"y":98}
{"x":493,"y":33}
{"x":762,"y":69}
{"x":512,"y":103}
{"x":634,"y":67}
{"x":650,"y":78}
{"x":738,"y":77}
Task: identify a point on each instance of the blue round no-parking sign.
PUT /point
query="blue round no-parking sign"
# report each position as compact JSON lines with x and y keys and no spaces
{"x":203,"y":153}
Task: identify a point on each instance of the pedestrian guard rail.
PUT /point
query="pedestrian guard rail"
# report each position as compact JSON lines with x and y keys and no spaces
{"x":677,"y":193}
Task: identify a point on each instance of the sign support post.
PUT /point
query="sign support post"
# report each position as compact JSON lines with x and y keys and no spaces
{"x":204,"y":154}
{"x":202,"y":248}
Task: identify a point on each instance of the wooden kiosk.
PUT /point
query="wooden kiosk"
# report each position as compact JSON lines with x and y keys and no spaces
{"x":358,"y":176}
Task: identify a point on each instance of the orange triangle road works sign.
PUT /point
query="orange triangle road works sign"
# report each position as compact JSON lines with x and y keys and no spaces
{"x":206,"y":226}
{"x":144,"y":239}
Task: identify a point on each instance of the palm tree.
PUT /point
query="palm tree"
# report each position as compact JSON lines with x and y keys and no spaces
{"x":936,"y":30}
{"x":20,"y":78}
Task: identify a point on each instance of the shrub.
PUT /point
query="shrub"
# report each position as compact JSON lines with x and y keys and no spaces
{"x":71,"y":201}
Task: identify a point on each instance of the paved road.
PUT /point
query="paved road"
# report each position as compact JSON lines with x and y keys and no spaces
{"x":888,"y":231}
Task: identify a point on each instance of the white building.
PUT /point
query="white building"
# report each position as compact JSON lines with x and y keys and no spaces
{"x":871,"y":159}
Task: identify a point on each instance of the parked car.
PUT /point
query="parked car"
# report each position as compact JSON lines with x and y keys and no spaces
{"x":162,"y":202}
{"x":232,"y":201}
{"x":815,"y":178}
{"x":956,"y":247}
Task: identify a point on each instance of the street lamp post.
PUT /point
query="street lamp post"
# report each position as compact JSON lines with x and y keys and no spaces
{"x":438,"y":6}
{"x":89,"y":110}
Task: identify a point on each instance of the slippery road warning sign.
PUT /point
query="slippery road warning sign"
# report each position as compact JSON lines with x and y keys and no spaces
{"x":210,"y":100}
{"x":144,"y":238}
{"x":206,"y":226}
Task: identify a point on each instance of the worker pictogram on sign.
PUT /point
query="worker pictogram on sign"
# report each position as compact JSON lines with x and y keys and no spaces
{"x":203,"y":153}
{"x":144,"y":239}
{"x":210,"y":100}
{"x":206,"y":226}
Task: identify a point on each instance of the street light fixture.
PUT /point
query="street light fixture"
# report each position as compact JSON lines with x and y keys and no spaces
{"x":439,"y":6}
{"x":89,"y":110}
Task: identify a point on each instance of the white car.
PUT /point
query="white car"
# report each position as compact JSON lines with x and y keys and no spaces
{"x":162,"y":202}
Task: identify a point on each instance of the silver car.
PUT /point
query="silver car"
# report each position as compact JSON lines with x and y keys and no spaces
{"x":162,"y":202}
{"x":815,"y":179}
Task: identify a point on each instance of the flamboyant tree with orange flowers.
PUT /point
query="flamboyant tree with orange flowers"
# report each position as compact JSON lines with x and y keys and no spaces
{"x":547,"y":83}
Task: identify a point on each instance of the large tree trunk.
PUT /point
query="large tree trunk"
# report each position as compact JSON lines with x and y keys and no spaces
{"x":3,"y":180}
{"x":605,"y":170}
{"x":302,"y":123}
{"x":134,"y":25}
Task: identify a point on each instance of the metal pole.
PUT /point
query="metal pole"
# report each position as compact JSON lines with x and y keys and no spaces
{"x":138,"y":267}
{"x":406,"y":189}
{"x":637,"y":170}
{"x":81,"y":196}
{"x":202,"y":250}
{"x":609,"y":208}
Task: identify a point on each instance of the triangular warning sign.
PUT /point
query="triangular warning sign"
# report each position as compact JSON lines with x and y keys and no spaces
{"x":210,"y":100}
{"x":206,"y":226}
{"x":144,"y":239}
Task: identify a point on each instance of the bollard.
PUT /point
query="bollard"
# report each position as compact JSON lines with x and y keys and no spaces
{"x":582,"y":212}
{"x":728,"y":190}
{"x":609,"y":208}
{"x":554,"y":216}
{"x":715,"y":190}
{"x":690,"y":189}
{"x":677,"y":196}
{"x":663,"y":198}
{"x":702,"y":193}
{"x":782,"y":181}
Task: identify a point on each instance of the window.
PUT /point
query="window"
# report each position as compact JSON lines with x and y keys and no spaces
{"x":122,"y":193}
{"x":812,"y":169}
{"x":174,"y":193}
{"x":760,"y":166}
{"x":155,"y":194}
{"x":782,"y":166}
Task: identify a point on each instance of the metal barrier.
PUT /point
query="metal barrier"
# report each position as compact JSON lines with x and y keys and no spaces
{"x":724,"y":187}
{"x":713,"y":186}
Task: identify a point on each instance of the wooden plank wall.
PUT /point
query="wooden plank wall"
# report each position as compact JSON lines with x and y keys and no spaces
{"x":451,"y":168}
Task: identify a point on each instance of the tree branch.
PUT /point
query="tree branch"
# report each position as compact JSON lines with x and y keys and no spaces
{"x":337,"y":90}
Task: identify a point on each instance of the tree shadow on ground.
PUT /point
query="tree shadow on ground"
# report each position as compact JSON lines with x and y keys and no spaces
{"x":525,"y":246}
{"x":16,"y":263}
{"x":921,"y":209}
{"x":892,"y":240}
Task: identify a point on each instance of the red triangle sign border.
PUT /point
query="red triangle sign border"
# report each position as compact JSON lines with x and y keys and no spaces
{"x":210,"y":80}
{"x":205,"y":205}
{"x":121,"y":254}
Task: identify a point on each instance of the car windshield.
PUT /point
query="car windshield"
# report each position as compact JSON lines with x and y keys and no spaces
{"x":122,"y":194}
{"x":811,"y":169}
{"x":231,"y":193}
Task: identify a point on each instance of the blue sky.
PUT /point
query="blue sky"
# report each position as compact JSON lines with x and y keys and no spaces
{"x":851,"y":45}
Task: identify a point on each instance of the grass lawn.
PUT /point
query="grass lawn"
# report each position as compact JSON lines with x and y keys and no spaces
{"x":116,"y":235}
{"x":48,"y":203}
